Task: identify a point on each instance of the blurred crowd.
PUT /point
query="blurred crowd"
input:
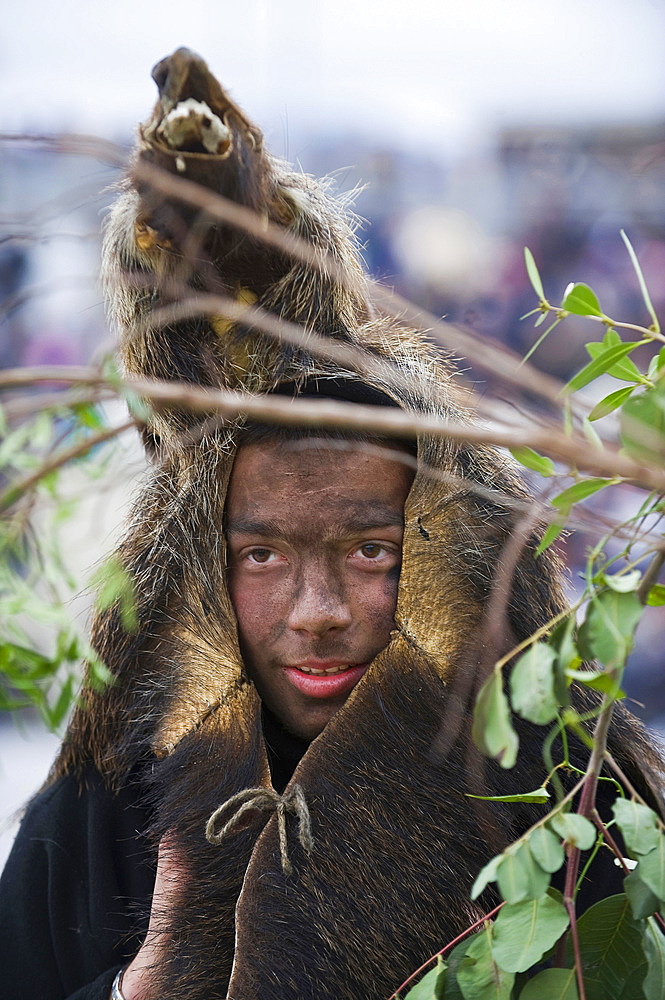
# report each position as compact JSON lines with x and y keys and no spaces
{"x":447,"y":235}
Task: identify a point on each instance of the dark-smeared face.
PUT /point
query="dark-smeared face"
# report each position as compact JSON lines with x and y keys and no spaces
{"x":314,"y":539}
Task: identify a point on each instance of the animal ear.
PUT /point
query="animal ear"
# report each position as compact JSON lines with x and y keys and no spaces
{"x":188,"y":275}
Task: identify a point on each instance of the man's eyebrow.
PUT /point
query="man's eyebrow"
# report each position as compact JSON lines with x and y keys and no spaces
{"x":365,"y":518}
{"x":373,"y":516}
{"x":252,"y":526}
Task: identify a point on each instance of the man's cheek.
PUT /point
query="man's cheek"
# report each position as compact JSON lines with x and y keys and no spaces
{"x":391,"y":588}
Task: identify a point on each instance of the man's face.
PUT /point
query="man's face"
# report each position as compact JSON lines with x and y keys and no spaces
{"x":314,"y":539}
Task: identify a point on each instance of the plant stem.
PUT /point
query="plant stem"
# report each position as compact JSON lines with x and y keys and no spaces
{"x":319,"y":413}
{"x":623,"y":778}
{"x":447,"y":947}
{"x":586,"y":808}
{"x":570,"y":906}
{"x":28,"y":483}
{"x":650,"y":334}
{"x":607,"y":836}
{"x":651,"y":575}
{"x":615,"y":849}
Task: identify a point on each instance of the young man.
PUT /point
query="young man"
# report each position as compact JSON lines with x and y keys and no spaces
{"x":290,"y":721}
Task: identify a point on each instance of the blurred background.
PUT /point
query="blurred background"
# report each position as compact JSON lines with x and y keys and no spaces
{"x":474,"y":128}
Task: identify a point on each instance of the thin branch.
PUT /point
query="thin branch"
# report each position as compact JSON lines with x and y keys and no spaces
{"x":623,"y":778}
{"x":609,"y":839}
{"x":579,"y":974}
{"x":447,"y":947}
{"x":650,"y":334}
{"x":28,"y":406}
{"x":14,"y":378}
{"x":586,"y":808}
{"x":28,"y":483}
{"x":651,"y":575}
{"x":352,"y":416}
{"x":346,"y":355}
{"x":498,"y":361}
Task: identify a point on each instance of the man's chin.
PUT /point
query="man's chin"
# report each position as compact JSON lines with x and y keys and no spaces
{"x":308,"y":723}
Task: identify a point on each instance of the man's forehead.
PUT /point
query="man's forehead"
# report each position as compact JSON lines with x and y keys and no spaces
{"x":301,"y":455}
{"x":273,"y":488}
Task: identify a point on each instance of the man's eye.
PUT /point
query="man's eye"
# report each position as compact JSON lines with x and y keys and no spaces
{"x":259,"y":555}
{"x":372,"y":550}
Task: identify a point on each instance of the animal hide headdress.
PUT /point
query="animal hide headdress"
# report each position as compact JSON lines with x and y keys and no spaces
{"x":396,"y":843}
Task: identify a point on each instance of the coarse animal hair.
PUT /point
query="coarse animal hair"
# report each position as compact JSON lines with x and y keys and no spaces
{"x":396,"y":843}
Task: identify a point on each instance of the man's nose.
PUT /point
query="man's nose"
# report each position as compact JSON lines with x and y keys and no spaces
{"x":319,"y":602}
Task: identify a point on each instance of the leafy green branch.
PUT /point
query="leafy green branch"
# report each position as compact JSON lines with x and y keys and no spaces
{"x":616,"y":949}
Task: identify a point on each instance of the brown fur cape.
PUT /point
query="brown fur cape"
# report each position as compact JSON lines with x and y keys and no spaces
{"x":397,"y":843}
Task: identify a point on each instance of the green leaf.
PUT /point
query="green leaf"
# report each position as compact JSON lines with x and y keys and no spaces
{"x":581,"y":300}
{"x":63,"y":703}
{"x":454,"y":960}
{"x":574,"y":829}
{"x":552,"y":984}
{"x":599,"y":680}
{"x":638,"y":825}
{"x":601,"y":364}
{"x":651,"y":869}
{"x":656,"y":597}
{"x":623,"y":369}
{"x":478,"y":975}
{"x":493,"y":731}
{"x":42,"y":431}
{"x":653,"y":944}
{"x":532,"y":685}
{"x":562,"y":640}
{"x":116,"y":587}
{"x":537,"y":795}
{"x":523,"y":932}
{"x":549,"y":536}
{"x":547,"y":849}
{"x":580,"y":491}
{"x":532,"y":271}
{"x":486,"y":875}
{"x":642,"y":901}
{"x":591,"y":434}
{"x":534,"y":347}
{"x":643,"y":284}
{"x":611,"y":950}
{"x":89,"y":416}
{"x":623,"y":583}
{"x":611,"y":402}
{"x":530,"y":459}
{"x":607,"y":631}
{"x":431,"y":986}
{"x":519,"y":876}
{"x":643,"y":425}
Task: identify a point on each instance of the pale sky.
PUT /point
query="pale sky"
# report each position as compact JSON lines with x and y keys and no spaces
{"x":414,"y":70}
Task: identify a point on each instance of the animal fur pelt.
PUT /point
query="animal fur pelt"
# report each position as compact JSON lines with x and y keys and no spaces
{"x":396,"y":843}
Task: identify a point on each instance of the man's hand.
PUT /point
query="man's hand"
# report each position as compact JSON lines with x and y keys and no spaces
{"x":168,"y":880}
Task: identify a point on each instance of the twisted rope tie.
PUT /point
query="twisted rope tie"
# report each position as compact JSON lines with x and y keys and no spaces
{"x":266,"y":799}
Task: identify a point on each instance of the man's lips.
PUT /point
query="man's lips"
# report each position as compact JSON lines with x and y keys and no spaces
{"x":339,"y":681}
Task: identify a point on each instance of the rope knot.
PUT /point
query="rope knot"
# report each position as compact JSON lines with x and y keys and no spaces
{"x":267,"y":800}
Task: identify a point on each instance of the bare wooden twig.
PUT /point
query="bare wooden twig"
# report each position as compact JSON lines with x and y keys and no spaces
{"x":574,"y":451}
{"x":28,"y":483}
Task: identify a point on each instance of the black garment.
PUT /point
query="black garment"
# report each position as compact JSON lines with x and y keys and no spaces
{"x":75,"y":893}
{"x":283,"y":748}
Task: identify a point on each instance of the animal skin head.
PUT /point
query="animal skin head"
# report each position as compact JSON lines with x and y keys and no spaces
{"x":180,"y":241}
